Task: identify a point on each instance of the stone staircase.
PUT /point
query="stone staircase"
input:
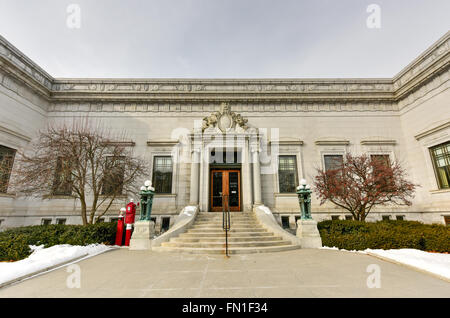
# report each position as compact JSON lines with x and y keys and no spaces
{"x":206,"y":236}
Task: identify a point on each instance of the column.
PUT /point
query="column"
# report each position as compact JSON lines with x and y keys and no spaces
{"x":195,"y":179}
{"x":256,"y":176}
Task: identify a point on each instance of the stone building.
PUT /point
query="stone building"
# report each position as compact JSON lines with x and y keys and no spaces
{"x":252,"y":138}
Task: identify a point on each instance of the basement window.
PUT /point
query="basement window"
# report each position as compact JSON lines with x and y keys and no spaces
{"x":285,"y":222}
{"x":447,"y":219}
{"x":46,"y":221}
{"x":349,"y":217}
{"x":165,"y":224}
{"x":60,"y":221}
{"x":335,"y":217}
{"x":400,"y":217}
{"x":386,"y":217}
{"x":153,"y":219}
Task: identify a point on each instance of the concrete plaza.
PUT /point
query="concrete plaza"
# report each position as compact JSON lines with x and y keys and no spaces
{"x":297,"y":273}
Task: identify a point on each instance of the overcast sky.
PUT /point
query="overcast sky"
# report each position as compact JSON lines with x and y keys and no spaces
{"x":223,"y":38}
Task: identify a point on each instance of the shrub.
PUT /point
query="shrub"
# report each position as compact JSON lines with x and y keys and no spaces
{"x":14,"y":243}
{"x":355,"y":235}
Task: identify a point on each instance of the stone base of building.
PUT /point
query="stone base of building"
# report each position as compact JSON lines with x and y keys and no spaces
{"x":309,"y":234}
{"x":142,"y":235}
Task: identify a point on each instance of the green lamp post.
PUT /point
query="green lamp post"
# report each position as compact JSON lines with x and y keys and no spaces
{"x":304,"y":199}
{"x":146,"y":194}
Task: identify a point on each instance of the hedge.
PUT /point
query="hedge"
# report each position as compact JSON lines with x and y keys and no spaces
{"x":14,"y":243}
{"x":355,"y":235}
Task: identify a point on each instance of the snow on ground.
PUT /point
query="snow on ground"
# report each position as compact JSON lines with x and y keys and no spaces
{"x":43,"y":258}
{"x":436,"y":263}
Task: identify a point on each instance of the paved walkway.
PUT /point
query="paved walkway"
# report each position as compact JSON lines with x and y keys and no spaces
{"x":298,"y":273}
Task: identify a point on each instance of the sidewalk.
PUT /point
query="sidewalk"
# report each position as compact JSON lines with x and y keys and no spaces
{"x":298,"y":273}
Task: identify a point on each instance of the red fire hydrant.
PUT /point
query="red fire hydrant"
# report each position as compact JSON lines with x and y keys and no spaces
{"x":129,"y":221}
{"x":120,"y":226}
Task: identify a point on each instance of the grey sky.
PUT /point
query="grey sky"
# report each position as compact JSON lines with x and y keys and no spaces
{"x":223,"y":38}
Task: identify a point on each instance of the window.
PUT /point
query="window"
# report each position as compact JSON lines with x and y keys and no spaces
{"x":335,"y":217}
{"x":46,"y":221}
{"x":386,"y":217}
{"x":383,"y":158}
{"x":6,"y":163}
{"x":447,"y":219}
{"x":285,"y":222}
{"x":441,"y":162}
{"x":114,"y":219}
{"x":165,"y":224}
{"x":296,"y":219}
{"x":349,"y":217}
{"x":113,"y":180}
{"x":63,"y":177}
{"x":333,"y":162}
{"x":60,"y":221}
{"x":1,"y":221}
{"x":162,"y":174}
{"x":287,"y":174}
{"x":100,"y":220}
{"x":153,"y":220}
{"x":400,"y":217}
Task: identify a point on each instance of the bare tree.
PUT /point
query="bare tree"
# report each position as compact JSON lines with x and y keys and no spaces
{"x":82,"y":160}
{"x":361,"y":182}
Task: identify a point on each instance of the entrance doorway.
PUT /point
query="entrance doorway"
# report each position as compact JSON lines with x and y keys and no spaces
{"x":225,"y":183}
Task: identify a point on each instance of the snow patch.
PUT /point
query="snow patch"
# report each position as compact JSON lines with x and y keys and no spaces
{"x":42,"y":258}
{"x":436,"y":263}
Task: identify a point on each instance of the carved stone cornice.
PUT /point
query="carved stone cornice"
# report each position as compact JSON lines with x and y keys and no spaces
{"x":431,"y":63}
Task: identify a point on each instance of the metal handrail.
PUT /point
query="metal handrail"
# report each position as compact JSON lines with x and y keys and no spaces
{"x":226,"y":219}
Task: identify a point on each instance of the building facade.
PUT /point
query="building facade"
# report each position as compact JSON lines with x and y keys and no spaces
{"x":250,"y":139}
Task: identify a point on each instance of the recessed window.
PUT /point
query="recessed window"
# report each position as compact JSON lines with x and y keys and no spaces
{"x":60,"y":221}
{"x":100,"y":220}
{"x":285,"y":222}
{"x":441,"y":162}
{"x":1,"y":221}
{"x":287,"y":174}
{"x":6,"y":163}
{"x":63,"y":176}
{"x":335,"y":217}
{"x":447,"y":219}
{"x":296,"y":219}
{"x":333,"y":162}
{"x":400,"y":217}
{"x":113,"y":179}
{"x":46,"y":221}
{"x":386,"y":217}
{"x":153,"y":219}
{"x":349,"y":217}
{"x":165,"y":224}
{"x":162,"y":174}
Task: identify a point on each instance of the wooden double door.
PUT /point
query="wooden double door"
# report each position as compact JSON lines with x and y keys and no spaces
{"x":225,"y":188}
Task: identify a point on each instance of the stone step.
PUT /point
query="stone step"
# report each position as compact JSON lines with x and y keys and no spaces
{"x":234,"y":250}
{"x":230,"y":234}
{"x":219,"y":230}
{"x":222,"y":239}
{"x":219,"y":224}
{"x":220,"y":219}
{"x":222,"y":244}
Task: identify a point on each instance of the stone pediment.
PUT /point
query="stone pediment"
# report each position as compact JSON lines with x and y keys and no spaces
{"x":225,"y":121}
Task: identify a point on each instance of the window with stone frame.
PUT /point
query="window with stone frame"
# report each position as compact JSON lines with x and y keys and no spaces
{"x":441,"y":161}
{"x":6,"y":163}
{"x":62,"y":182}
{"x":113,"y":179}
{"x":162,"y":174}
{"x":287,"y":174}
{"x":333,"y":162}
